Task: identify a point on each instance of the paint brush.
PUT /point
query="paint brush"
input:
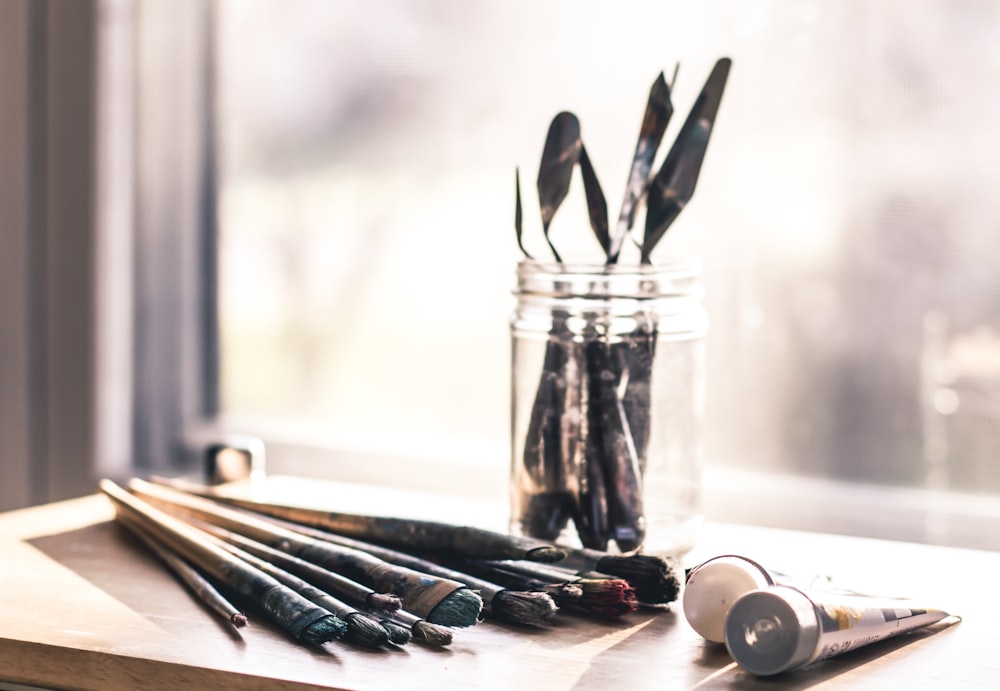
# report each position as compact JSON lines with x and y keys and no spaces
{"x":516,"y":607}
{"x":197,"y":584}
{"x":362,"y":629}
{"x":440,"y":600}
{"x":423,"y":631}
{"x":384,"y":605}
{"x":300,"y":618}
{"x":400,"y":624}
{"x":403,"y":532}
{"x":330,"y":581}
{"x":618,"y":457}
{"x":656,"y":579}
{"x":545,"y":497}
{"x":398,"y":634}
{"x":606,"y":597}
{"x":583,"y":442}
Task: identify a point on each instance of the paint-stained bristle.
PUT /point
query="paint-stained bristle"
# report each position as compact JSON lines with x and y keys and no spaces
{"x":238,"y":620}
{"x":431,"y":634}
{"x":545,"y":554}
{"x":523,"y":607}
{"x":383,"y":602}
{"x":612,"y":597}
{"x":365,"y":631}
{"x":564,"y":593}
{"x":460,"y":608}
{"x":655,"y":579}
{"x":324,"y":630}
{"x":398,"y":634}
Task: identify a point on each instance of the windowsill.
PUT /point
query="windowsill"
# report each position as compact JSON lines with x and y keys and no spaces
{"x":737,"y":497}
{"x":892,"y":513}
{"x":459,"y":471}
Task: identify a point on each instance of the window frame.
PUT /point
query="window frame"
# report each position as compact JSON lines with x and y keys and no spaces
{"x":48,"y":381}
{"x":175,"y":315}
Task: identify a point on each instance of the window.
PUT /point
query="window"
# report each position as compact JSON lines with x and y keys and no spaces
{"x":365,"y":160}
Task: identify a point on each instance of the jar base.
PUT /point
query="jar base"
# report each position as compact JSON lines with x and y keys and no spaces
{"x":672,"y":536}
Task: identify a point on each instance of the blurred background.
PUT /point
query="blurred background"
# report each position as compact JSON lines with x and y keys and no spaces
{"x":844,"y":215}
{"x":308,"y":206}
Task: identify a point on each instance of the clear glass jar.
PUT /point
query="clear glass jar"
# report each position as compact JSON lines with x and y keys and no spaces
{"x":607,"y":400}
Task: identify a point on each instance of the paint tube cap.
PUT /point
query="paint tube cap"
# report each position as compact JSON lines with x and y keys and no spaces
{"x":712,"y":588}
{"x":772,"y":630}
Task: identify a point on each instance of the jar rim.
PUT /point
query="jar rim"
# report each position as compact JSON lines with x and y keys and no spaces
{"x":675,"y":276}
{"x":680,"y":265}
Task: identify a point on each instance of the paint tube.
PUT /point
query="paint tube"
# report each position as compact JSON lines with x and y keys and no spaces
{"x":779,"y":628}
{"x":712,"y":587}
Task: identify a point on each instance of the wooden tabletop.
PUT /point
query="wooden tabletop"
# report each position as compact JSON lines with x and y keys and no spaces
{"x":84,"y":606}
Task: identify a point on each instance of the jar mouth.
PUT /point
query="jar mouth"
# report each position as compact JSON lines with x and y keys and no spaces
{"x":673,"y":276}
{"x":678,"y":266}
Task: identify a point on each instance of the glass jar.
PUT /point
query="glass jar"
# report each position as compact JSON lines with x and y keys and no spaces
{"x":607,"y":399}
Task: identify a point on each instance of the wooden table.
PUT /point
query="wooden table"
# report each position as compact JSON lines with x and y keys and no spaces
{"x":83,"y":606}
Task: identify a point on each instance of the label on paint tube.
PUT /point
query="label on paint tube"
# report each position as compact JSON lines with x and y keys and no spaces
{"x":876,"y":618}
{"x":779,"y":628}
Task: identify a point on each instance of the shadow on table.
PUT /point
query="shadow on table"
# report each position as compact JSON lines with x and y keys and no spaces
{"x":115,"y":561}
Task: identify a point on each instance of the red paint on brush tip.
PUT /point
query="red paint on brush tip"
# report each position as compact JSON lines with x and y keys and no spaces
{"x":610,"y":598}
{"x":238,"y":620}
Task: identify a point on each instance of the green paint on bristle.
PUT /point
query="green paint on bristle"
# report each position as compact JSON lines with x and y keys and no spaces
{"x":461,"y":607}
{"x":324,"y":630}
{"x":398,"y":634}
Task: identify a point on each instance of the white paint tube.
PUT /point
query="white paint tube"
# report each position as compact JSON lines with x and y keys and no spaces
{"x":712,"y":587}
{"x":780,"y":628}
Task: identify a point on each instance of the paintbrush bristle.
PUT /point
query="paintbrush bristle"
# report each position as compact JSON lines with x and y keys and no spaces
{"x":365,"y":631}
{"x":385,"y":603}
{"x":611,"y":597}
{"x":431,"y":634}
{"x":564,"y":593}
{"x":398,"y":634}
{"x":324,"y":630}
{"x":545,"y":554}
{"x":523,"y":607}
{"x":654,"y":578}
{"x":461,"y":607}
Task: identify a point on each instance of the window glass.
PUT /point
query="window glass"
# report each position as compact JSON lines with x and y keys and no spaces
{"x":846,"y":217}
